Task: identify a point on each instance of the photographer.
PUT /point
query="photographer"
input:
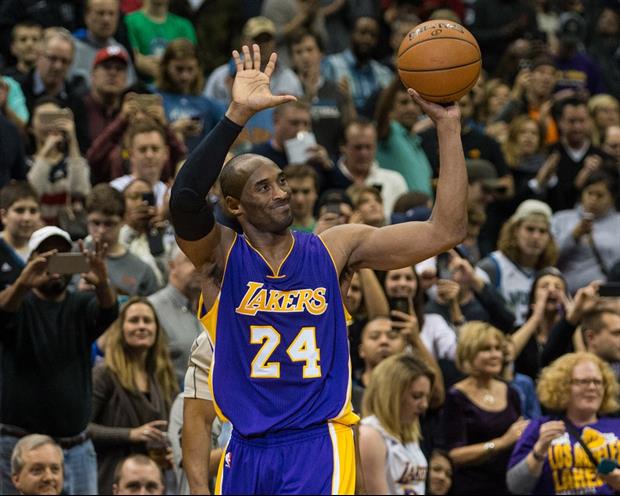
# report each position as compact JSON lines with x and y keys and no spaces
{"x":58,"y":172}
{"x":46,"y":336}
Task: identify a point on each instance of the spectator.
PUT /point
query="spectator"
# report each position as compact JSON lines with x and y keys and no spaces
{"x":108,"y":79}
{"x":105,"y":210}
{"x":304,"y":184}
{"x":525,"y":246}
{"x":581,"y":389}
{"x":587,"y":236}
{"x":101,"y":18}
{"x":48,"y":332}
{"x":150,"y":29}
{"x":21,"y":216}
{"x":176,"y":306}
{"x":13,"y":103}
{"x":604,"y":47}
{"x":25,"y":36}
{"x":605,"y":112}
{"x":399,"y":147}
{"x":58,"y":172}
{"x":483,"y":184}
{"x":611,"y":144}
{"x":521,"y":383}
{"x":481,"y":417}
{"x":49,"y":78}
{"x":180,"y":82}
{"x":358,"y":165}
{"x":331,"y":103}
{"x":132,"y":391}
{"x":440,"y":470}
{"x":495,"y":96}
{"x":391,"y":460}
{"x":37,"y":465}
{"x":334,"y":208}
{"x":367,"y":204}
{"x":13,"y":160}
{"x":138,"y":474}
{"x":355,"y":64}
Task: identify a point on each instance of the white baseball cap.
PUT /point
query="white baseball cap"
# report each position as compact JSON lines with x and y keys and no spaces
{"x":46,"y":232}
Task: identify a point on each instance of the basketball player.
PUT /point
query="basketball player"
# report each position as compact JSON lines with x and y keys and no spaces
{"x":272,"y":302}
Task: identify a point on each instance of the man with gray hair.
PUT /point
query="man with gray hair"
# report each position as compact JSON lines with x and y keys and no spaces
{"x":37,"y":465}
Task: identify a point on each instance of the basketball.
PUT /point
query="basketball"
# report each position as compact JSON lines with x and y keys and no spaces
{"x":440,"y":60}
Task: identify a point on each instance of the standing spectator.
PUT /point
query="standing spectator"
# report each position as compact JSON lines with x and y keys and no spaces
{"x":605,"y":47}
{"x":21,"y":216}
{"x":150,"y":29}
{"x":50,"y":78}
{"x":138,"y":472}
{"x":47,"y":332}
{"x":180,"y":82}
{"x":25,"y":36}
{"x":391,"y":460}
{"x":37,"y":465}
{"x":132,"y":391}
{"x":525,"y":246}
{"x":108,"y":81}
{"x":105,"y":211}
{"x":365,"y":76}
{"x":101,"y":18}
{"x":176,"y":306}
{"x":58,"y":172}
{"x":481,"y":417}
{"x":587,"y":235}
{"x":581,"y":390}
{"x":367,"y":205}
{"x":304,"y":183}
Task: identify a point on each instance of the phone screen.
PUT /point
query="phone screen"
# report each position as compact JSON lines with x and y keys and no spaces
{"x":401,"y":304}
{"x":67,"y":263}
{"x":149,"y":198}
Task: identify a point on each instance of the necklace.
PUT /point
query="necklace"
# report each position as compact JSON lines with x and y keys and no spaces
{"x":488,"y":398}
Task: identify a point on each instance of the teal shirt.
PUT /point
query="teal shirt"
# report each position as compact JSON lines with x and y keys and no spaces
{"x":16,"y":100}
{"x":151,"y":38}
{"x":402,"y":152}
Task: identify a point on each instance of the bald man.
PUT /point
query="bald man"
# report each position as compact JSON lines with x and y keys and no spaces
{"x":273,"y":298}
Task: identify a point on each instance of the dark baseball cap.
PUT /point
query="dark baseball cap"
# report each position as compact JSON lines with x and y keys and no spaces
{"x":571,"y":27}
{"x":479,"y":169}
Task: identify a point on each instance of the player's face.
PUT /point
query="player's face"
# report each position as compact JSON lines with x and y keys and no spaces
{"x":380,"y":341}
{"x":414,"y":402}
{"x":21,"y":218}
{"x":401,"y":283}
{"x":139,"y":327}
{"x":533,"y":236}
{"x":265,"y":200}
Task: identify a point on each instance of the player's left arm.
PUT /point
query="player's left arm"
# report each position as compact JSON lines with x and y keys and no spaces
{"x":402,"y":245}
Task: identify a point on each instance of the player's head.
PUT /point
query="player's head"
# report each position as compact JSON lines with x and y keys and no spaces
{"x":256,"y":192}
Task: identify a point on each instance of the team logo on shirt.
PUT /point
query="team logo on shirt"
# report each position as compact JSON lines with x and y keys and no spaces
{"x":228,"y":459}
{"x":259,"y":299}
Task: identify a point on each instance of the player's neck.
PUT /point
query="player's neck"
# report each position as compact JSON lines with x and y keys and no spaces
{"x":273,"y":246}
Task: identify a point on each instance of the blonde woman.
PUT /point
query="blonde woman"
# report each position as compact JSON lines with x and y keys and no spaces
{"x":605,"y":111}
{"x":548,"y":459}
{"x":482,"y":414}
{"x":133,"y":389}
{"x":392,"y":461}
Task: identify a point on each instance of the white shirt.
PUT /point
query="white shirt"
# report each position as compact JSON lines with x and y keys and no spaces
{"x":159,"y":190}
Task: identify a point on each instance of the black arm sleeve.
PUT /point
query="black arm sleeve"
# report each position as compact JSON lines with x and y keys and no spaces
{"x":558,"y":342}
{"x":191,"y":213}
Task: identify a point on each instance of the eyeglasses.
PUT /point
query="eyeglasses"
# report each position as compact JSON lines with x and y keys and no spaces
{"x":587,"y":382}
{"x":55,"y":58}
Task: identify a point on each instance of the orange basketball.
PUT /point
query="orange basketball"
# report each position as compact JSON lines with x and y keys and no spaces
{"x":440,"y":60}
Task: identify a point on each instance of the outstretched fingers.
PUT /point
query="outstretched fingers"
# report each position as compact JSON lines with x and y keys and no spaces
{"x":247,"y":58}
{"x":271,"y":64}
{"x":256,"y":54}
{"x":238,"y":61}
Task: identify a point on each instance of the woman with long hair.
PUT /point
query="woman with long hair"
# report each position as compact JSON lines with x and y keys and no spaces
{"x":392,"y":461}
{"x":133,"y":390}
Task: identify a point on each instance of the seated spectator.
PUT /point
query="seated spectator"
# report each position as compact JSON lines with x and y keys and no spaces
{"x":358,"y":165}
{"x":605,"y":111}
{"x":138,"y":474}
{"x":331,"y":103}
{"x":133,"y":390}
{"x":108,"y":82}
{"x":365,"y":76}
{"x":13,"y":165}
{"x":107,"y":155}
{"x":20,"y":213}
{"x":25,"y":36}
{"x":367,"y":204}
{"x":101,"y":19}
{"x":58,"y":172}
{"x":440,"y":470}
{"x":399,"y":146}
{"x":391,"y":460}
{"x":587,"y":236}
{"x":129,"y":275}
{"x":46,"y":335}
{"x":525,"y":246}
{"x":334,"y":208}
{"x":50,"y":78}
{"x":303,"y":182}
{"x":150,"y":29}
{"x":180,"y":82}
{"x":37,"y":465}
{"x":176,"y":306}
{"x":482,"y":415}
{"x":611,"y":145}
{"x":582,"y":391}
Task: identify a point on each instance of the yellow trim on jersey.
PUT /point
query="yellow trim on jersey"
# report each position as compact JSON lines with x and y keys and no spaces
{"x":220,"y":471}
{"x":343,"y":450}
{"x":276,"y":273}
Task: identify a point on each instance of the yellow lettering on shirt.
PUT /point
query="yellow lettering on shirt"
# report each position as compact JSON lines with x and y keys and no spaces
{"x":259,"y":299}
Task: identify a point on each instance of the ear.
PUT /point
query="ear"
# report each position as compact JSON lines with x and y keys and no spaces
{"x":233,"y":205}
{"x":114,"y":488}
{"x":588,"y":336}
{"x":15,"y":480}
{"x":3,"y":213}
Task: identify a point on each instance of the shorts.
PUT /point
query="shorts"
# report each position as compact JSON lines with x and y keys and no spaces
{"x":318,"y":460}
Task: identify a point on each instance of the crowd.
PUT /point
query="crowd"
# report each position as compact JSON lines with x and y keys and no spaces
{"x":489,"y":369}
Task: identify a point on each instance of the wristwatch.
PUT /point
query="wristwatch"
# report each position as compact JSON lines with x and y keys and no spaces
{"x":538,"y":457}
{"x":489,"y":446}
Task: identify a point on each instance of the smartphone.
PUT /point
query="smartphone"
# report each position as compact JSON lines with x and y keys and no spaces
{"x":149,"y":198}
{"x":156,"y":242}
{"x":332,"y":208}
{"x":296,"y":148}
{"x":606,"y":466}
{"x":401,"y":304}
{"x":147,"y":100}
{"x":443,"y":261}
{"x":49,"y":118}
{"x":68,"y":263}
{"x":609,"y":290}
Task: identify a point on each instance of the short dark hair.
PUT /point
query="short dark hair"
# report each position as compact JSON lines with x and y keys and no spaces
{"x":297,"y":104}
{"x":140,"y":460}
{"x":362,"y":122}
{"x":25,"y":24}
{"x":573,"y":101}
{"x":608,"y":176}
{"x":105,"y":199}
{"x":593,"y":319}
{"x":302,"y":171}
{"x":141,"y":127}
{"x":298,"y":35}
{"x":15,"y":191}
